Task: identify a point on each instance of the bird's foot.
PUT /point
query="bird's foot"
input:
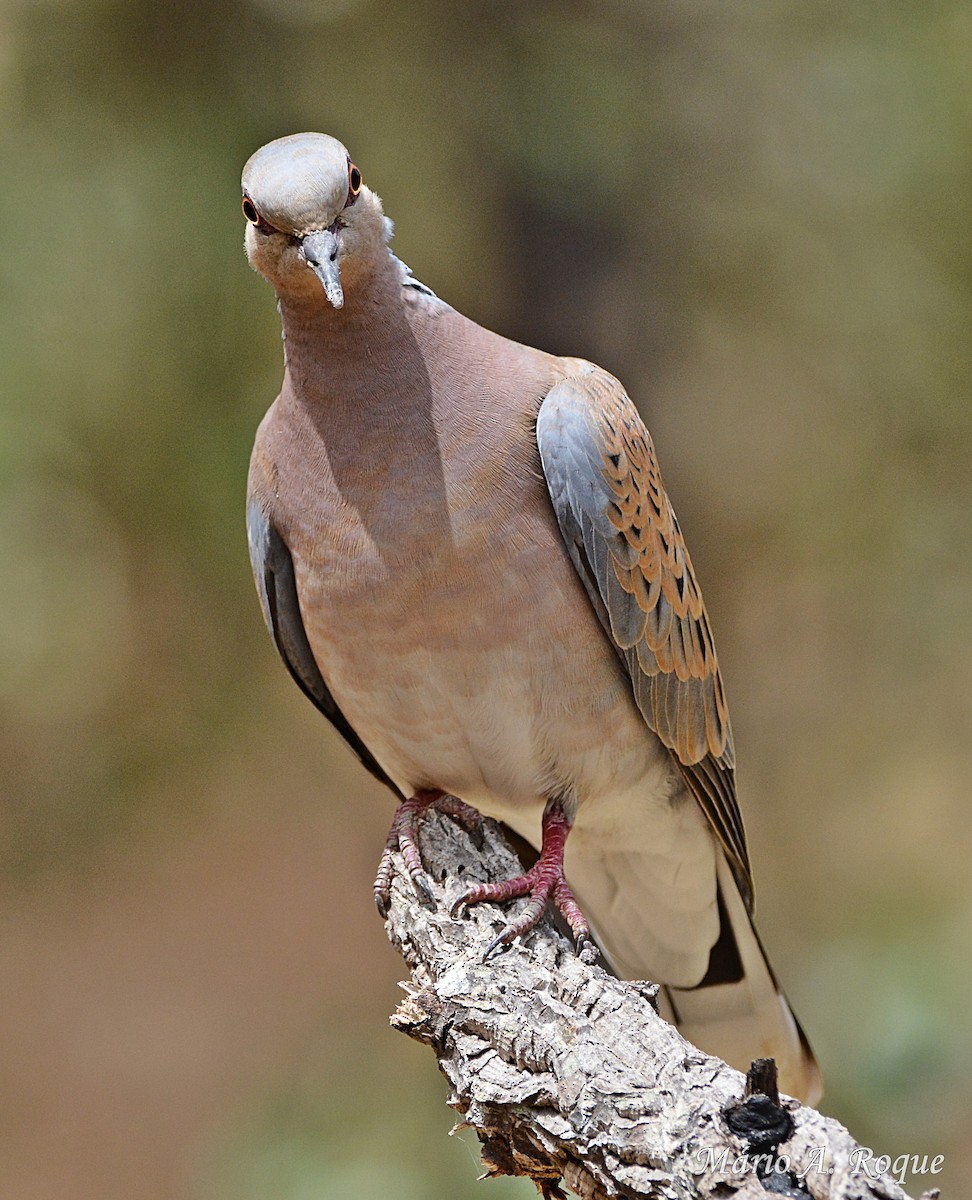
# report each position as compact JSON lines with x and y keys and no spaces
{"x":403,"y":837}
{"x":544,"y":881}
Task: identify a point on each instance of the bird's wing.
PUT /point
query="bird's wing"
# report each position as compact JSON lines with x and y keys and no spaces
{"x":624,"y":540}
{"x":276,"y":583}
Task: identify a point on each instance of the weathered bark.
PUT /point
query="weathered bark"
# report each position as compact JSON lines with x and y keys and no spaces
{"x":567,"y":1073}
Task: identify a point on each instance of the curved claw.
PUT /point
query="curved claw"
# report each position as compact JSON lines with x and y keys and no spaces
{"x":500,"y":941}
{"x":422,"y":884}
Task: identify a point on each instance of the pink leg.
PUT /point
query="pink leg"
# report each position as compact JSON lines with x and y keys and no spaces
{"x":544,"y":881}
{"x":402,"y":837}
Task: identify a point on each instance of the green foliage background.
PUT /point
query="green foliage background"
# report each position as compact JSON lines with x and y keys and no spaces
{"x":758,"y":216}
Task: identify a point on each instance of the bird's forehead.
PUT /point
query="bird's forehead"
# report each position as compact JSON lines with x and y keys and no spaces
{"x":299,"y":182}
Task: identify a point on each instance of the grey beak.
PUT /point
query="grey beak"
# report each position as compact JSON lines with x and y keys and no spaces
{"x":320,"y":249}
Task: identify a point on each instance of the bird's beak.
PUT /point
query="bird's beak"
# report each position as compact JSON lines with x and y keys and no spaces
{"x":320,"y":251}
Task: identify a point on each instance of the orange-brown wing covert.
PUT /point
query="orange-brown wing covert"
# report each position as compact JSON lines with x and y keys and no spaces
{"x":624,"y":540}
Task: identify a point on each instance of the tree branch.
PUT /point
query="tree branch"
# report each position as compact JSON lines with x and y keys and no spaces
{"x":567,"y":1073}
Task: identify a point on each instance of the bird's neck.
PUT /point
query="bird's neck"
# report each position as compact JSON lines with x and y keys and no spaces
{"x":323,"y":346}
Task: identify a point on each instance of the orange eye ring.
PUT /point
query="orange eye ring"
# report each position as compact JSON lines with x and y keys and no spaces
{"x":354,"y":180}
{"x":250,"y":212}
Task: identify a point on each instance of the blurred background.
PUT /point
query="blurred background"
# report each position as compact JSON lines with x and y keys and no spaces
{"x":758,"y":216}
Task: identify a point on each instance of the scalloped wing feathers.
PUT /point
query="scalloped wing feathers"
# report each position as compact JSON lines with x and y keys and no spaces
{"x":623,"y":537}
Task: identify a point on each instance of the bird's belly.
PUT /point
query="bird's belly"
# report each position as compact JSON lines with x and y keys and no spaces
{"x":462,"y":686}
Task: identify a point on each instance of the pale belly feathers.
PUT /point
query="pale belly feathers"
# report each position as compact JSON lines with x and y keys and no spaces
{"x":445,"y":644}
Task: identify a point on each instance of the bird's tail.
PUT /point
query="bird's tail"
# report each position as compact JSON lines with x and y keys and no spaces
{"x":739,"y":1011}
{"x":653,"y":917}
{"x":647,"y":893}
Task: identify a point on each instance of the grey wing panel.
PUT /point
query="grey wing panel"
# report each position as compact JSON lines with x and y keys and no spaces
{"x":273,"y":568}
{"x":623,"y":538}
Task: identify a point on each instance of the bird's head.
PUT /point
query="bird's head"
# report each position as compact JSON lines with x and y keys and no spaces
{"x":311,"y":222}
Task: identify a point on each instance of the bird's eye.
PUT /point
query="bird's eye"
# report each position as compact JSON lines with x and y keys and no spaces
{"x":354,"y":183}
{"x":256,"y":218}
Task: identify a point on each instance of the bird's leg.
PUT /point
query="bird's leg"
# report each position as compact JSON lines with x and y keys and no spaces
{"x":403,"y":837}
{"x":544,"y":881}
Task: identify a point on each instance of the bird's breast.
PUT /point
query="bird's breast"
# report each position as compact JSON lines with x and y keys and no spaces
{"x":455,"y":636}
